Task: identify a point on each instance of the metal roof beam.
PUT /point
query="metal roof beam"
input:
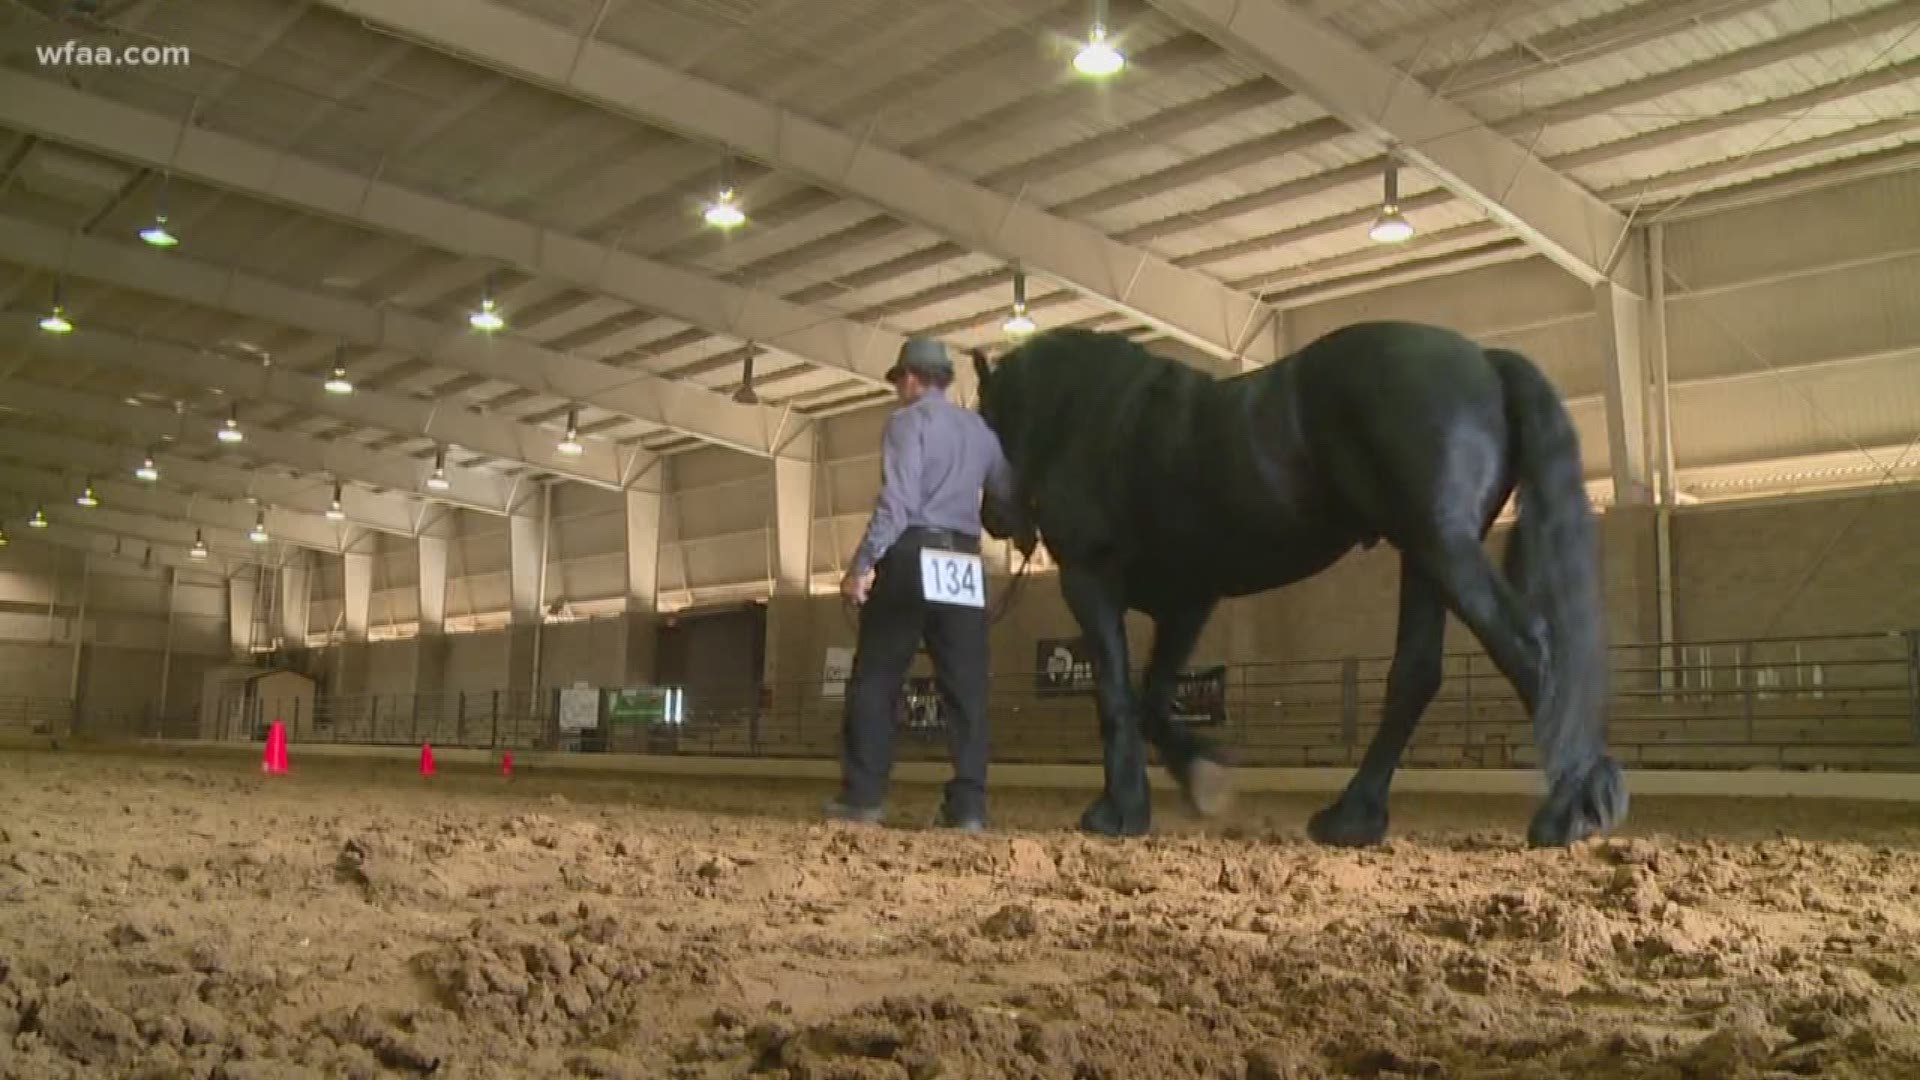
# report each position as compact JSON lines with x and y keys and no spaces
{"x":665,"y":404}
{"x":379,"y":512}
{"x":1186,"y":304}
{"x":813,"y":335}
{"x":100,"y":543}
{"x":1549,"y":210}
{"x":228,"y":521}
{"x":472,"y":489}
{"x":601,"y":464}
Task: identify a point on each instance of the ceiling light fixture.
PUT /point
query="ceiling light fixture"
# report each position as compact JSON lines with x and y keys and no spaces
{"x":746,"y":395}
{"x":1019,"y":324}
{"x":1391,"y":227}
{"x":486,"y":319}
{"x":230,"y":431}
{"x":259,"y":532}
{"x":156,"y":233}
{"x":86,"y":497}
{"x":199,"y":546}
{"x":38,"y":520}
{"x":437,"y":481}
{"x":723,"y":212}
{"x":147,"y":471}
{"x":55,"y":321}
{"x":336,"y":512}
{"x":570,"y":446}
{"x":1098,"y":58}
{"x":338,"y":383}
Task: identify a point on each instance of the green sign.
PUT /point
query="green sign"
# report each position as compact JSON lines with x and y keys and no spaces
{"x":645,"y":705}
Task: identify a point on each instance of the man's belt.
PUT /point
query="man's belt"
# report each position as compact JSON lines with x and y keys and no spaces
{"x":945,"y":539}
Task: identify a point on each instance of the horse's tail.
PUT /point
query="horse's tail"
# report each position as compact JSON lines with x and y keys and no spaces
{"x":1553,"y":561}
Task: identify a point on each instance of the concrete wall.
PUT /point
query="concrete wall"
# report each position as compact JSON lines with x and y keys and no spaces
{"x":128,"y":644}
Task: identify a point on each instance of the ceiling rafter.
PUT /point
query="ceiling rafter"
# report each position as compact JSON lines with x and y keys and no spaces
{"x":1220,"y":321}
{"x":182,"y":476}
{"x":686,"y":408}
{"x":341,"y":460}
{"x":1553,"y":213}
{"x":600,"y":464}
{"x":808,"y":334}
{"x":230,"y":521}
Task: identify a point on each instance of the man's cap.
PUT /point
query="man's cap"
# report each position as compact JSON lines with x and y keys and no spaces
{"x":922,"y":356}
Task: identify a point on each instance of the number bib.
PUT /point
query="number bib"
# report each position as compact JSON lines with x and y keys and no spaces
{"x":952,"y":577}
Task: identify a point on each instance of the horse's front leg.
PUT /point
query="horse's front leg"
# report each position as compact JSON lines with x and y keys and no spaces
{"x":1198,"y":763}
{"x":1124,"y":807}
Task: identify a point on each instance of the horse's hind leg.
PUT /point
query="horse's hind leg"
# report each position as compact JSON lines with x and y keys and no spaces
{"x":1359,"y":816}
{"x":1195,"y":761}
{"x":1125,"y":807}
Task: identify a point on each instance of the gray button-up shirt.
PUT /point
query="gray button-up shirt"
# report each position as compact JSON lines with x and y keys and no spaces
{"x":936,"y":460}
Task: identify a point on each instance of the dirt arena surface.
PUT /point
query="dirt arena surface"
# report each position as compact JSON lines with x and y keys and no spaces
{"x":183,"y":916}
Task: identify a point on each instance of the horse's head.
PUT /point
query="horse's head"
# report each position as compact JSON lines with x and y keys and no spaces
{"x":999,"y":408}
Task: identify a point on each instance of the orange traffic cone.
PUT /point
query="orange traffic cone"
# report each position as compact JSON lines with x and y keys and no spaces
{"x":273,"y":760}
{"x":506,"y":763}
{"x":426,"y":759}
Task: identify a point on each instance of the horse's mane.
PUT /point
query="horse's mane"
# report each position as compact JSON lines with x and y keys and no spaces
{"x":1086,"y":413}
{"x":1081,"y":384}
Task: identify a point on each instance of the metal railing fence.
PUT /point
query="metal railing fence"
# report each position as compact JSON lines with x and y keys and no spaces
{"x":1842,"y":702}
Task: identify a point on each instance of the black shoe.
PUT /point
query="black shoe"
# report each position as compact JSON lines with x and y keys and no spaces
{"x":840,"y":810}
{"x":965,"y":822}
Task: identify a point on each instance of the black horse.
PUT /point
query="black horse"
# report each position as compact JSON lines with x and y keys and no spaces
{"x":1159,"y":489}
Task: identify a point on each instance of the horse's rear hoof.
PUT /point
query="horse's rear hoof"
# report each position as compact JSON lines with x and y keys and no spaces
{"x":1209,"y":787}
{"x":1348,"y":823}
{"x":1103,"y":818}
{"x":1589,"y":803}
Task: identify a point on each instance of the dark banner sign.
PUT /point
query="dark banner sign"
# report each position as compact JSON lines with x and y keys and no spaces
{"x":920,"y":712}
{"x":1062,"y":666}
{"x":1200,"y":700}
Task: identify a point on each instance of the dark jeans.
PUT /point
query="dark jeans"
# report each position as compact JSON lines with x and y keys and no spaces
{"x":894,"y":620}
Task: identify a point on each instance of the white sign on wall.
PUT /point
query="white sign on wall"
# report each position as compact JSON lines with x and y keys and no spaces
{"x":579,"y":708}
{"x":839,"y":668}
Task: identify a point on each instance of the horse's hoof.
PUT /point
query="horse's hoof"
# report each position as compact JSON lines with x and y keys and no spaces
{"x":1104,"y":819}
{"x":1208,"y":786}
{"x":1348,"y":823}
{"x":1590,"y":802}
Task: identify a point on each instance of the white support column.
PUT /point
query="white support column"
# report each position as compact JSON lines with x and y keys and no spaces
{"x":526,"y":585}
{"x":1630,"y":531}
{"x":433,"y":585}
{"x":643,"y":576}
{"x":296,"y":599}
{"x":359,"y":595}
{"x":1623,"y":323}
{"x":430,"y":649}
{"x":1668,"y":489}
{"x":243,"y":596}
{"x":787,"y":663}
{"x":526,"y":542}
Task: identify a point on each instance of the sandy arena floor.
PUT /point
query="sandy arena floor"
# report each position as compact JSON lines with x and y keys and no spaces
{"x":166,"y":917}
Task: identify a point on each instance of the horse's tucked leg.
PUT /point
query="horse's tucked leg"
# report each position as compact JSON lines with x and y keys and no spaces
{"x":1586,"y":795}
{"x":1194,"y":760}
{"x":1359,"y":816}
{"x":1514,"y":635}
{"x":1124,"y":808}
